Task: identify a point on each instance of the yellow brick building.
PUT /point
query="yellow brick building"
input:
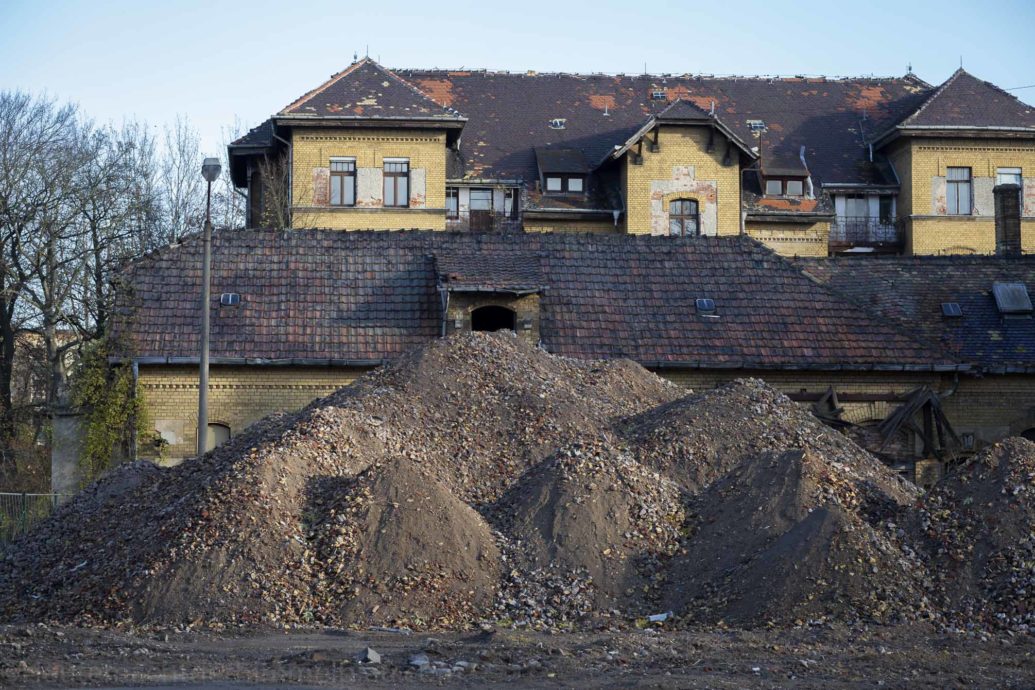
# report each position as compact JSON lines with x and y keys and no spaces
{"x":479,"y":151}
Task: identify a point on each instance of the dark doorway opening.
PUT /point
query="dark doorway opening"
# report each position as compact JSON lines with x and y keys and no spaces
{"x":493,"y":318}
{"x":1029,"y":434}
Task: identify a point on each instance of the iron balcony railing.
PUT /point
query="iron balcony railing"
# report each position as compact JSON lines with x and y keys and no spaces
{"x":861,"y":231}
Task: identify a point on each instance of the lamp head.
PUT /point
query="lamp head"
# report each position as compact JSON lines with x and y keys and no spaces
{"x":210,"y":169}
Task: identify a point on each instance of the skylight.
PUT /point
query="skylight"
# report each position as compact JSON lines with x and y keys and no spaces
{"x":705,"y":306}
{"x":951,"y":309}
{"x":1012,"y":298}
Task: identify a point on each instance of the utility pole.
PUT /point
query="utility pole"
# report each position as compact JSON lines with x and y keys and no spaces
{"x":210,"y":170}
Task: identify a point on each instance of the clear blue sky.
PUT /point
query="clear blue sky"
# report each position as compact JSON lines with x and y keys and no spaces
{"x":216,"y":60}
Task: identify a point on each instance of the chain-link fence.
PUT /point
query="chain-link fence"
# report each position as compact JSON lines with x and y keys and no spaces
{"x":19,"y":512}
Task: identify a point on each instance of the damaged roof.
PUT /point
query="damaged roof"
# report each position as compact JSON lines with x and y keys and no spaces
{"x":910,"y":291}
{"x":366,"y":90}
{"x":362,"y":297}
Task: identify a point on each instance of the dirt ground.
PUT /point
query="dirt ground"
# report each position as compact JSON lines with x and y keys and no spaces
{"x":807,"y":657}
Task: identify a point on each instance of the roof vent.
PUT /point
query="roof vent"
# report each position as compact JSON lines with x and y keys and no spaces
{"x":951,"y":309}
{"x":705,"y":305}
{"x":558,"y":123}
{"x":658,"y":95}
{"x":1012,"y":298}
{"x":229,"y":299}
{"x":756,"y":125}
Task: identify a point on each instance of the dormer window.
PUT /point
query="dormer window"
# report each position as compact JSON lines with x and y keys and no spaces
{"x":780,"y":186}
{"x":565,"y":184}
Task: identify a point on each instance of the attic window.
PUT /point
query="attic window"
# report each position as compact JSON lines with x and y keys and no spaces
{"x":1012,"y":299}
{"x":229,"y":299}
{"x":558,"y":123}
{"x":705,"y":306}
{"x":951,"y":309}
{"x":565,"y":184}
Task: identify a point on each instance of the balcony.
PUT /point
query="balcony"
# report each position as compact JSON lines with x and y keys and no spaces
{"x":848,"y":232}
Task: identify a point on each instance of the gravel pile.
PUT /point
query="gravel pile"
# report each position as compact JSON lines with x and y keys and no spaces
{"x":978,"y":526}
{"x":479,"y":480}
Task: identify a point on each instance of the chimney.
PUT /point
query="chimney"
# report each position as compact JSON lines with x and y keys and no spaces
{"x":1007,"y":219}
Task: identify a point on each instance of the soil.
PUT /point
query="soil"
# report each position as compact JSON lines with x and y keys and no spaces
{"x":479,"y":483}
{"x":807,"y":657}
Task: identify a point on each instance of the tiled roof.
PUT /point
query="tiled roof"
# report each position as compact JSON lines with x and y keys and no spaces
{"x":367,"y":90}
{"x":259,"y":136}
{"x":509,"y":115}
{"x":911,"y":291}
{"x":365,"y":296}
{"x":966,"y":101}
{"x":480,"y":268}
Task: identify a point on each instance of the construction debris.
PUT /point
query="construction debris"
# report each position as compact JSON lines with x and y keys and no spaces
{"x":480,"y":482}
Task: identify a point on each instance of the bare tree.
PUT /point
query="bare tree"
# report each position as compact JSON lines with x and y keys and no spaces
{"x":228,"y":204}
{"x":31,"y":176}
{"x":183,"y":195}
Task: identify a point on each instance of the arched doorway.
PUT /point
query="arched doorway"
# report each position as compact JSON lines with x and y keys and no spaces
{"x":1029,"y":434}
{"x":493,"y":318}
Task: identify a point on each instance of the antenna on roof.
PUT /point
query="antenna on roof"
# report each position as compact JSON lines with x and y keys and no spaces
{"x":368,"y":50}
{"x":961,"y":62}
{"x":355,"y":56}
{"x":909,"y":68}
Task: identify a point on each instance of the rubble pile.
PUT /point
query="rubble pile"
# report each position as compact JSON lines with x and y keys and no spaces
{"x":479,"y":480}
{"x":978,"y":526}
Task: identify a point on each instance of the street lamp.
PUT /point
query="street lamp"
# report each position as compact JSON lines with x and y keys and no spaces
{"x":210,"y":170}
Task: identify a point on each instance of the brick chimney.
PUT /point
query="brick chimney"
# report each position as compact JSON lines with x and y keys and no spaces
{"x":1007,"y":219}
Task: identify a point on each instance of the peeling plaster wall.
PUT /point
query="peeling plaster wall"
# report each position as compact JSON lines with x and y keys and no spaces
{"x":682,"y":168}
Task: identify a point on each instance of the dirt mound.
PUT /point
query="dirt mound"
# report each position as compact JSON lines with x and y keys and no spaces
{"x":784,"y":537}
{"x":228,"y":538}
{"x":699,"y":438}
{"x":978,"y":525}
{"x":596,"y":517}
{"x":395,"y":547}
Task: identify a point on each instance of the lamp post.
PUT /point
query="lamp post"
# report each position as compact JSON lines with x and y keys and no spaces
{"x":210,"y":170}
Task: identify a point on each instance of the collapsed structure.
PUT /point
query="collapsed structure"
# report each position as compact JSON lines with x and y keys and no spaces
{"x":478,"y":479}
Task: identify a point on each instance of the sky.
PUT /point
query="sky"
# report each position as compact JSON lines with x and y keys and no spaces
{"x":224,"y":62}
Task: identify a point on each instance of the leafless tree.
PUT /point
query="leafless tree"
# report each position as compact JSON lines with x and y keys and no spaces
{"x":183,"y":195}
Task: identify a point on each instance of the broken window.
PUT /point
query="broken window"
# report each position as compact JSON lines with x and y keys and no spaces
{"x":452,"y":203}
{"x":683,"y":218}
{"x":958,"y":192}
{"x":343,"y":182}
{"x":397,"y":182}
{"x":510,"y":203}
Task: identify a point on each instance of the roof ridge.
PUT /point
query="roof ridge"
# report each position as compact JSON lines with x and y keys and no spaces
{"x":932,"y":96}
{"x":326,"y":85}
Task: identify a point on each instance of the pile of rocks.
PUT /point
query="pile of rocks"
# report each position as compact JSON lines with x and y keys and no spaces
{"x":479,"y":480}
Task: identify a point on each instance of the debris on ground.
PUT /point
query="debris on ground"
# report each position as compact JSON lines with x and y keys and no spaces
{"x":479,"y":482}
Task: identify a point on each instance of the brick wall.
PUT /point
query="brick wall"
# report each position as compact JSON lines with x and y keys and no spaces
{"x":607,"y":227}
{"x":921,"y":165}
{"x":990,"y":408}
{"x":526,"y":309}
{"x":792,"y":239}
{"x":238,"y":397}
{"x":683,"y":169}
{"x":311,"y":154}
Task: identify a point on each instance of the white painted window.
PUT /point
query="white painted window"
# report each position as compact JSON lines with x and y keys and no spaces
{"x":574,"y":184}
{"x":553,"y":184}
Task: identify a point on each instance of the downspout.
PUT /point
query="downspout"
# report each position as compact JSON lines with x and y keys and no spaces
{"x":133,"y":431}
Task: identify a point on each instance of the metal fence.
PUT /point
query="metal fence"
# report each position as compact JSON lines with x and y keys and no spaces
{"x":19,"y":512}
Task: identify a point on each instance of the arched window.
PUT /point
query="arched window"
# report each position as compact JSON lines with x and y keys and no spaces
{"x":493,"y":318}
{"x":218,"y":434}
{"x":683,"y":218}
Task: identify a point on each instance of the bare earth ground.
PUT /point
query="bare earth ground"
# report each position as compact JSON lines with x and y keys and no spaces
{"x":809,"y":657}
